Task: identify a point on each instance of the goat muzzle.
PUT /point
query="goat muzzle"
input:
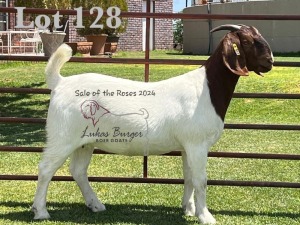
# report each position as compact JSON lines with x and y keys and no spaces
{"x":265,"y":66}
{"x":263,"y":69}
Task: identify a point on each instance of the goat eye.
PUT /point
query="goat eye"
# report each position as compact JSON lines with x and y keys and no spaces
{"x":246,"y":42}
{"x":259,"y":43}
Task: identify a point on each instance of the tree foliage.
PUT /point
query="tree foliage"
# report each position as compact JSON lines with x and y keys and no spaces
{"x":104,"y":4}
{"x":30,"y":4}
{"x":178,"y":32}
{"x":45,"y":4}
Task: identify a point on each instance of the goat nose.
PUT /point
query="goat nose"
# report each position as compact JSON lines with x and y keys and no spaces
{"x":271,"y":60}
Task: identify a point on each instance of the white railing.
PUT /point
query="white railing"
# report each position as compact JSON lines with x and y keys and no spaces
{"x":200,"y":2}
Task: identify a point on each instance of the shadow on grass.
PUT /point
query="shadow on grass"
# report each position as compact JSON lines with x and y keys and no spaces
{"x":25,"y":106}
{"x":114,"y":214}
{"x":250,"y":214}
{"x":22,"y":134}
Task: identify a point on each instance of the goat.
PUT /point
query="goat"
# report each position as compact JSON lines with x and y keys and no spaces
{"x":184,"y":113}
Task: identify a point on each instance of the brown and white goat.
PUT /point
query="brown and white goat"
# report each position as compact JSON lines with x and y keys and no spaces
{"x":183,"y":113}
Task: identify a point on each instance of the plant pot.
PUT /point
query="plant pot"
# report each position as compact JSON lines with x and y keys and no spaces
{"x":51,"y":41}
{"x":98,"y":43}
{"x":73,"y":45}
{"x":84,"y":48}
{"x":111,"y":47}
{"x":111,"y":44}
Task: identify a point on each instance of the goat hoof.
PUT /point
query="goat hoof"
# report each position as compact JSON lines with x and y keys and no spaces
{"x":96,"y":207}
{"x":189,"y":212}
{"x":40,"y":214}
{"x":189,"y":209}
{"x":207,"y":218}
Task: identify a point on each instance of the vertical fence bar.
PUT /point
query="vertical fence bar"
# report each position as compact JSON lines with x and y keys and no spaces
{"x":147,"y":44}
{"x":147,"y":70}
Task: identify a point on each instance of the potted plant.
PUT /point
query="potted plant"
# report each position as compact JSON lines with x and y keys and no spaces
{"x":51,"y":38}
{"x":99,"y":35}
{"x":92,"y":35}
{"x":114,"y":33}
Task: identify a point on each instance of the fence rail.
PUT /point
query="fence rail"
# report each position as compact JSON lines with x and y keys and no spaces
{"x":226,"y":126}
{"x":160,"y":15}
{"x":161,"y":181}
{"x":147,"y":62}
{"x":218,"y":154}
{"x":127,"y":60}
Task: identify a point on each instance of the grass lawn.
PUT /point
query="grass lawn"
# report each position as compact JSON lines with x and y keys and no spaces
{"x":153,"y":204}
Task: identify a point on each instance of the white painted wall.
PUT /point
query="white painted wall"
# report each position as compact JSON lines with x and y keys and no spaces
{"x":283,"y":36}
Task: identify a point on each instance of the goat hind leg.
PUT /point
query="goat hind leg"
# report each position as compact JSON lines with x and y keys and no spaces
{"x":80,"y":161}
{"x":50,"y":163}
{"x":188,"y":203}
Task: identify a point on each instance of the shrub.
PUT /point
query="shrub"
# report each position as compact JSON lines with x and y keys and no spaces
{"x":178,"y":32}
{"x":88,"y":20}
{"x":45,"y":4}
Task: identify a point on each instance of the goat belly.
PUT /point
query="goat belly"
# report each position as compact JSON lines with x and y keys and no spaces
{"x":126,"y":135}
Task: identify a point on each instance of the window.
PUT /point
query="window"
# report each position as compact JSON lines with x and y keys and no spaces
{"x":3,"y":16}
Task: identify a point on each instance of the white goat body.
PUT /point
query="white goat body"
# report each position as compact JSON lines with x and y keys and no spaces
{"x":175,"y":116}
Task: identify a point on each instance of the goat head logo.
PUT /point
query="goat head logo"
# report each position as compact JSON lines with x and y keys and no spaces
{"x":90,"y":109}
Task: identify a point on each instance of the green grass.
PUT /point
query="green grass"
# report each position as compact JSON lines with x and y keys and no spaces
{"x":148,"y":203}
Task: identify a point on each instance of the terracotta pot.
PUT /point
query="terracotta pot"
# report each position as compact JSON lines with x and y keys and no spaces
{"x":84,"y":48}
{"x":51,"y":41}
{"x":111,"y":44}
{"x":111,"y":47}
{"x":98,"y":43}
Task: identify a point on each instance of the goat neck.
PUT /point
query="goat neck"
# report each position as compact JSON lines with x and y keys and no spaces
{"x":221,"y":82}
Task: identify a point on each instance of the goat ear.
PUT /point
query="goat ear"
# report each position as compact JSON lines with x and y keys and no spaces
{"x":93,"y":108}
{"x":233,"y":55}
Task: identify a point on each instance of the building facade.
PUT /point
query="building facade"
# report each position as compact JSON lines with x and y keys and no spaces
{"x":280,"y":34}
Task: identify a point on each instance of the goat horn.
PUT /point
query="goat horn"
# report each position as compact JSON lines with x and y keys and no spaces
{"x":230,"y":27}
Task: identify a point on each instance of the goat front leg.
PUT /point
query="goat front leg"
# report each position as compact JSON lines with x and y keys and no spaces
{"x":188,"y":203}
{"x":80,"y":161}
{"x":197,"y":160}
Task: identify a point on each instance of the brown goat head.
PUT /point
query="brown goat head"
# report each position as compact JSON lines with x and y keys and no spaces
{"x":244,"y":49}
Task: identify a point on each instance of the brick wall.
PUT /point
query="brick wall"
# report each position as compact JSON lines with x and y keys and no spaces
{"x":163,"y":35}
{"x":11,"y":16}
{"x":132,"y":39}
{"x":163,"y":30}
{"x":73,"y":36}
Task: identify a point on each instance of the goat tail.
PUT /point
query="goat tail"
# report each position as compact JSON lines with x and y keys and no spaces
{"x":55,"y":63}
